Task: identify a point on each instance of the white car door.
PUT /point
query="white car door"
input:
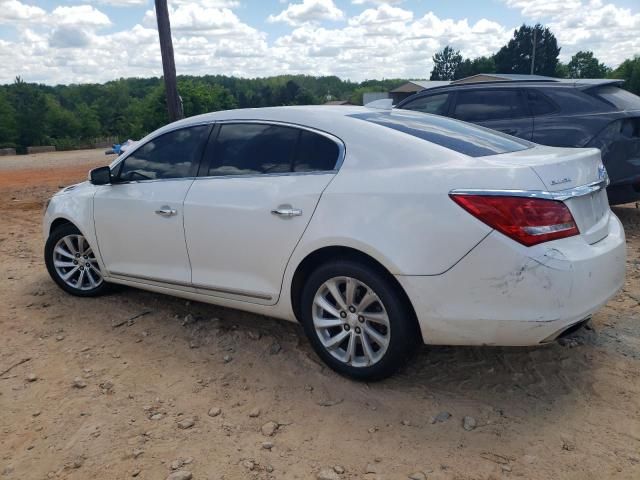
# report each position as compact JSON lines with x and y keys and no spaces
{"x":139,"y":217}
{"x":244,"y":218}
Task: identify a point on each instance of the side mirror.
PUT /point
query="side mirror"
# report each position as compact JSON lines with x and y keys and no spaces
{"x":100,"y":176}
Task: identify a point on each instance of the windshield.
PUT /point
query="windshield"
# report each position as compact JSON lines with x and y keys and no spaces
{"x":452,"y":134}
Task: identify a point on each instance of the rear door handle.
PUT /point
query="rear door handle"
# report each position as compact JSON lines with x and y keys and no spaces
{"x":166,"y":211}
{"x":287,"y":212}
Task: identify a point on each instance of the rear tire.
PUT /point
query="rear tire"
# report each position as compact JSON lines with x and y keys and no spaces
{"x":369,"y":332}
{"x":72,"y":264}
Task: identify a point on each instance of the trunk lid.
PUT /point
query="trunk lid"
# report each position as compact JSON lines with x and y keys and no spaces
{"x":569,"y":171}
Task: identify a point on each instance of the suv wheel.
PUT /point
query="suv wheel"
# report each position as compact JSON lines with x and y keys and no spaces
{"x":72,"y":263}
{"x":356,"y":320}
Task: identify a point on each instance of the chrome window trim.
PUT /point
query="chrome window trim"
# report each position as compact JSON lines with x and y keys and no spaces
{"x":560,"y":195}
{"x":342,"y":151}
{"x":152,"y":180}
{"x":261,"y":175}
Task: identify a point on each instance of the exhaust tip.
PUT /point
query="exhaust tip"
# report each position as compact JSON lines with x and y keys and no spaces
{"x":567,"y":331}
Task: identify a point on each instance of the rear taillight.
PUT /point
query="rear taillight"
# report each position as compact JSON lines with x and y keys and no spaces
{"x":526,"y":220}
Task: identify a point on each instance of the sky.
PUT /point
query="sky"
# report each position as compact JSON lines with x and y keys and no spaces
{"x":80,"y":41}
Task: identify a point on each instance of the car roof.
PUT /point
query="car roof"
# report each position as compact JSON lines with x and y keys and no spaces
{"x":351,"y":124}
{"x":582,"y":83}
{"x":328,"y":118}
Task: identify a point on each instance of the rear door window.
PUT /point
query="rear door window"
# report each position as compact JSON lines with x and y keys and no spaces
{"x":253,"y":149}
{"x":539,"y":104}
{"x":261,"y":148}
{"x":315,"y":153}
{"x":489,"y":104}
{"x":436,"y":104}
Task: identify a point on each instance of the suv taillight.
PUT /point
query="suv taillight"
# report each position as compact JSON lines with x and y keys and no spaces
{"x":526,"y":220}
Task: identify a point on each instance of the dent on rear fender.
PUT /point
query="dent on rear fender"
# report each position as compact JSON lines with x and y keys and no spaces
{"x":548,"y":273}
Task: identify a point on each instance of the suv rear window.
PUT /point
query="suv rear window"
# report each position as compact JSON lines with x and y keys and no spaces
{"x":486,"y":105}
{"x":436,"y":104}
{"x":617,"y":97}
{"x":460,"y":137}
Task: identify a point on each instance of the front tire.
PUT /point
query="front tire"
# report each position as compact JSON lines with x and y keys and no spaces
{"x":72,"y":264}
{"x":357,"y":320}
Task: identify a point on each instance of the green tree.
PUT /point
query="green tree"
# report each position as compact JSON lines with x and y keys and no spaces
{"x":304,"y":97}
{"x":445,"y":64}
{"x":198,"y":97}
{"x":72,"y":115}
{"x":629,"y":71}
{"x":89,"y":122}
{"x":516,"y":55}
{"x":562,"y":70}
{"x":8,"y":127}
{"x":60,"y":123}
{"x":30,"y":105}
{"x":476,"y":66}
{"x":585,"y":65}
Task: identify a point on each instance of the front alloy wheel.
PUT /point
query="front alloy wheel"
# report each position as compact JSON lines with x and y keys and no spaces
{"x":76,"y":264}
{"x":357,"y":319}
{"x":72,"y":264}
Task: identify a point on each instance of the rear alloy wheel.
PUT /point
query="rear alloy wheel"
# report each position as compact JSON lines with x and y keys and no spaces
{"x":357,"y":321}
{"x":72,"y":264}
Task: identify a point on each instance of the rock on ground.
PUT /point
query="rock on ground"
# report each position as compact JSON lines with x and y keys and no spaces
{"x":327,"y":474}
{"x":180,"y":475}
{"x":269,"y":429}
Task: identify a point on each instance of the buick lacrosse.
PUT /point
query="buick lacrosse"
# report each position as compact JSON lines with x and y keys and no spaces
{"x":376,"y":230}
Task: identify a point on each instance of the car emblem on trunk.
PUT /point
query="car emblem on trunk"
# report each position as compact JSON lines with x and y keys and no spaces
{"x":560,"y":181}
{"x":602,"y":172}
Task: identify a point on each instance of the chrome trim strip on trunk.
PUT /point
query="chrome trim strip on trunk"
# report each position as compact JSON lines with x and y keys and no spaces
{"x":560,"y":195}
{"x":227,"y":291}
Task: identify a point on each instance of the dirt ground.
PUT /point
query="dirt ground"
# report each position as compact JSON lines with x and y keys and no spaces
{"x":104,"y":388}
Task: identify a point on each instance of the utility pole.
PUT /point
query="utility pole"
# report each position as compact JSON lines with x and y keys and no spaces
{"x":174,"y":104}
{"x":535,"y":43}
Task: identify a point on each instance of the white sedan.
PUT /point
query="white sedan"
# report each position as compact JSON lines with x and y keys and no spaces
{"x":377,"y":230}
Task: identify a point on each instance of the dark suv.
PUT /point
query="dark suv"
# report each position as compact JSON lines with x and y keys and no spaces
{"x":561,"y":113}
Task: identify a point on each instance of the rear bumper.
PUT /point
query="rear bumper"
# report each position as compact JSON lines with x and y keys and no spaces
{"x":503,"y":293}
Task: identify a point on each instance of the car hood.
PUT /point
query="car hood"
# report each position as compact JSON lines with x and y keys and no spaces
{"x":75,"y":188}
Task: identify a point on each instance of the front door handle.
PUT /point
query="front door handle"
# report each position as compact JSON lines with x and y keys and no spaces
{"x":287,"y":212}
{"x":166,"y":211}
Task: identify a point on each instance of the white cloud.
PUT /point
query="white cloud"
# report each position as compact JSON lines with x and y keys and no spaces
{"x":15,"y":11}
{"x":208,"y":3}
{"x":543,"y":8}
{"x":69,"y":37}
{"x":123,"y":3}
{"x":308,"y":11}
{"x":382,"y":15}
{"x":142,"y":3}
{"x":611,"y":32}
{"x":376,"y":2}
{"x":195,"y":19}
{"x":78,"y":43}
{"x":79,"y":15}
